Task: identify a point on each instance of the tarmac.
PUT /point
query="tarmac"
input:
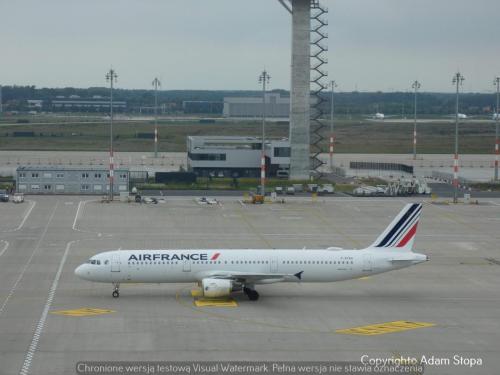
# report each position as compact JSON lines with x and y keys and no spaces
{"x":50,"y":319}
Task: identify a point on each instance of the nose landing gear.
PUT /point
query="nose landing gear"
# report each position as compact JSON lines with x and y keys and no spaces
{"x":116,"y":290}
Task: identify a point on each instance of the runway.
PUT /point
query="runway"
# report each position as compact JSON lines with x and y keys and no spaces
{"x":50,"y":320}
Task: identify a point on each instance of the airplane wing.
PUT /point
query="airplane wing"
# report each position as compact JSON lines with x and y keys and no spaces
{"x":251,"y":277}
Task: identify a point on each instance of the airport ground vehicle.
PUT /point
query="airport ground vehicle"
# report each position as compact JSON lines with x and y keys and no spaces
{"x":18,"y":198}
{"x":4,"y":196}
{"x":221,"y":272}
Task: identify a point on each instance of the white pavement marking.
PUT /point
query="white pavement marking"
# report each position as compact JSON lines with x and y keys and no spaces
{"x":76,"y":216}
{"x":4,"y":248}
{"x":41,"y":323}
{"x":12,"y":290}
{"x":28,"y":212}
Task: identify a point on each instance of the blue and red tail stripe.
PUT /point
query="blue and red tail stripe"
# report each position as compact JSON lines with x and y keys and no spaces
{"x":404,"y":230}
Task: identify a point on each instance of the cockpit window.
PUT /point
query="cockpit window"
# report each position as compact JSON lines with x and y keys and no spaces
{"x":94,"y":261}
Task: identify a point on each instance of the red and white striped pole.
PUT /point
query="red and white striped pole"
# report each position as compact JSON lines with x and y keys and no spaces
{"x":263,"y":173}
{"x":455,"y":172}
{"x":264,"y":79}
{"x":332,"y":142}
{"x":497,"y":143}
{"x":457,"y":80}
{"x":111,"y":172}
{"x":333,"y":85}
{"x":496,"y":116}
{"x":111,"y":77}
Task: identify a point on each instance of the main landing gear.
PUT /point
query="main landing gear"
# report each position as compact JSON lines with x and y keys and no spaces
{"x":252,"y":294}
{"x":116,"y":290}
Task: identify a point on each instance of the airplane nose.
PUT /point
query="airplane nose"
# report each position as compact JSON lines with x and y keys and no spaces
{"x":79,"y":270}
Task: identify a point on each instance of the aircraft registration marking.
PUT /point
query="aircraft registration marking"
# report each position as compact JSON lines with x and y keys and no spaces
{"x":215,"y":302}
{"x":383,"y":328}
{"x":85,"y":311}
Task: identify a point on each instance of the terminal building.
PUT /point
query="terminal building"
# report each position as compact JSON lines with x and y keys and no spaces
{"x":276,"y":106}
{"x":237,"y":156}
{"x":79,"y":180}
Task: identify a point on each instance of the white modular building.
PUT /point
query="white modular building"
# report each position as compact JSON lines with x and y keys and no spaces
{"x":237,"y":156}
{"x":70,"y":180}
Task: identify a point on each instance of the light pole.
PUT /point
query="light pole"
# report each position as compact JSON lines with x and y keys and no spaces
{"x":458,"y":79}
{"x":333,"y":85}
{"x":264,"y":79}
{"x":497,"y":117}
{"x":111,"y":78}
{"x":1,"y":105}
{"x":156,"y":83}
{"x":415,"y":86}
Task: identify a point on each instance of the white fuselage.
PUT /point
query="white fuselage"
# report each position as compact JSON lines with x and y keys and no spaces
{"x":184,"y":266}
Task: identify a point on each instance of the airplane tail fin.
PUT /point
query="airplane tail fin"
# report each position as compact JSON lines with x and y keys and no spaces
{"x":400,"y":234}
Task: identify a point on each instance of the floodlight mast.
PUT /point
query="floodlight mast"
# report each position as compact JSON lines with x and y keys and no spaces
{"x":416,"y":85}
{"x":333,"y":85}
{"x":111,"y":77}
{"x":156,"y":83}
{"x":458,"y":80}
{"x":264,"y":78}
{"x":497,"y":118}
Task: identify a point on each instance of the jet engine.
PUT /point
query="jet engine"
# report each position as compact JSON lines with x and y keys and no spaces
{"x":213,"y":288}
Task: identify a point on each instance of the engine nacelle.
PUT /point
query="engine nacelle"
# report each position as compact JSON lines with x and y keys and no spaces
{"x":213,"y":288}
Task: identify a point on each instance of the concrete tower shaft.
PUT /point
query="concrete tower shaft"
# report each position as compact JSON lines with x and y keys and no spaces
{"x":300,"y":90}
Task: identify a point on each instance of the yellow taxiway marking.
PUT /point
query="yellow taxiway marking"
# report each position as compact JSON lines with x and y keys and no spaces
{"x":364,"y":278}
{"x":215,"y":302}
{"x":382,"y":328}
{"x":85,"y":311}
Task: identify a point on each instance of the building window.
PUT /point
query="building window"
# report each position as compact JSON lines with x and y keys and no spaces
{"x":97,"y":175}
{"x":22,"y":175}
{"x":60,"y":187}
{"x":122,"y":188}
{"x":282,"y":152}
{"x":59,"y":175}
{"x":35,"y":187}
{"x":22,"y":187}
{"x":47,"y":175}
{"x":123,"y":176}
{"x":34,"y":175}
{"x":85,"y":175}
{"x":210,"y":157}
{"x":85,"y":187}
{"x":97,"y":188}
{"x":47,"y":187}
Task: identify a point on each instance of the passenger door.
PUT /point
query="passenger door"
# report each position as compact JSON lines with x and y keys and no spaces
{"x":274,"y":265}
{"x":115,"y":263}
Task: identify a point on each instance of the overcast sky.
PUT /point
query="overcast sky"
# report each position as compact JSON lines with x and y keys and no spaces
{"x":225,"y":44}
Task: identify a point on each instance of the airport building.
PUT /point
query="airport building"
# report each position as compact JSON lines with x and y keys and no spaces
{"x":237,"y":156}
{"x":276,"y":106}
{"x":94,"y":104}
{"x":90,"y":180}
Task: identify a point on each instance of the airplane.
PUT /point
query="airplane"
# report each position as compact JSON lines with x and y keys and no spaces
{"x":379,"y":116}
{"x":222,"y":272}
{"x":496,"y":116}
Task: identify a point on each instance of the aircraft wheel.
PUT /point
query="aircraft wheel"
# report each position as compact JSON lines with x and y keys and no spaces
{"x":116,"y":294}
{"x":252,"y":294}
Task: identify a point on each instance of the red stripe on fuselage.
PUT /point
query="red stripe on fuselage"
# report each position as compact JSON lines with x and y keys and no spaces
{"x":215,"y":256}
{"x":408,"y":236}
